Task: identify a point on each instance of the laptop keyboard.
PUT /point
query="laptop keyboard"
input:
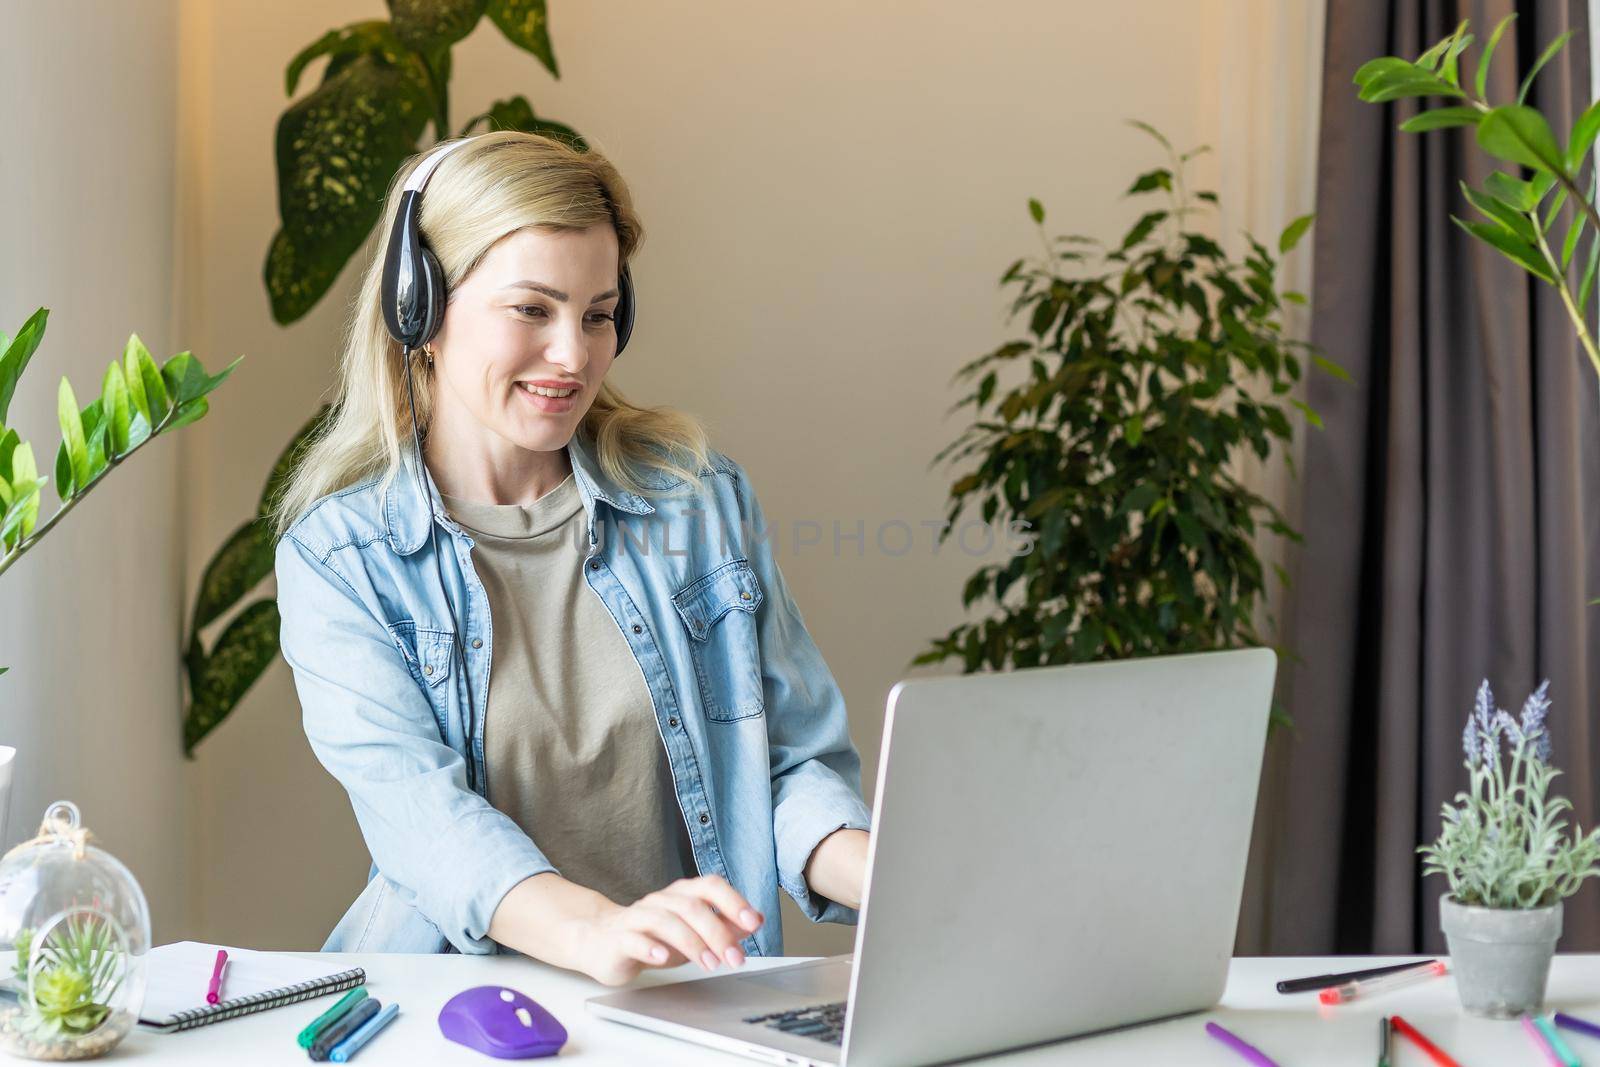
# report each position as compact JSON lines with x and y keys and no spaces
{"x":825,"y":1022}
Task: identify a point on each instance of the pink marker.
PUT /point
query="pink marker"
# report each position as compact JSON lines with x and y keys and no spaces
{"x":214,"y":990}
{"x":1338,"y":994}
{"x":1539,"y":1041}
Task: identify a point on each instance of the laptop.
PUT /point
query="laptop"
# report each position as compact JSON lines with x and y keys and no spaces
{"x":1057,"y":850}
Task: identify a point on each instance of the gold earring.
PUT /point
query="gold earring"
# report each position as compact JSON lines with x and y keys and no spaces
{"x":427,"y":350}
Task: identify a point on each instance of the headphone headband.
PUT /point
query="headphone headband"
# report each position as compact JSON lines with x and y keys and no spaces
{"x":413,"y":292}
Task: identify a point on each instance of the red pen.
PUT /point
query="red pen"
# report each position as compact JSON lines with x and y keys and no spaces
{"x":1435,"y":1053}
{"x":214,"y":990}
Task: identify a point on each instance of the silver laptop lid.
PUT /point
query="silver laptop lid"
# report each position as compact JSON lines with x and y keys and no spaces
{"x":1056,"y":850}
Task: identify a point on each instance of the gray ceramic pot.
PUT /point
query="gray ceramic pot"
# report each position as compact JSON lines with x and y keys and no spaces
{"x":1500,"y":956}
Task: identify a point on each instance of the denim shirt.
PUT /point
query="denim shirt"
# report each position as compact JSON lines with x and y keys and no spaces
{"x":752,"y":720}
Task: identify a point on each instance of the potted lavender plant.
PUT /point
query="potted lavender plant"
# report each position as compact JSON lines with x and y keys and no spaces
{"x":1510,"y":860}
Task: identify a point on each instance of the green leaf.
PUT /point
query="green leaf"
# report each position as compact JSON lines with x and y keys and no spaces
{"x":336,"y":150}
{"x":1520,"y":134}
{"x":1160,"y":178}
{"x":1544,"y":57}
{"x":1429,"y":60}
{"x":1512,"y":247}
{"x":1515,"y":193}
{"x":14,"y":357}
{"x":190,"y":411}
{"x":1587,"y":285}
{"x":1481,"y":78}
{"x":1293,"y":232}
{"x":117,"y":407}
{"x":1401,"y":85}
{"x":424,"y":24}
{"x":187,"y":380}
{"x":1514,"y":221}
{"x":1448,"y":68}
{"x":238,"y":567}
{"x":1330,"y":367}
{"x":515,"y":113}
{"x":1142,"y":229}
{"x":1133,"y":429}
{"x":1384,"y":66}
{"x":1036,"y":210}
{"x":9,"y":440}
{"x":1152,"y":131}
{"x":1305,"y":409}
{"x":15,"y":522}
{"x":245,"y":649}
{"x":72,"y":437}
{"x":1440,"y":118}
{"x":133,"y":378}
{"x":1583,"y":135}
{"x":342,"y":46}
{"x":526,"y":25}
{"x":1570,"y":245}
{"x":155,"y":389}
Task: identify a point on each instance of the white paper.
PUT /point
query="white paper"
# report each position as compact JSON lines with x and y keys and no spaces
{"x":177,"y":976}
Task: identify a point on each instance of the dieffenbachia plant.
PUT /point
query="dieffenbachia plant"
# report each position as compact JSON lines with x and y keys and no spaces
{"x":385,"y":83}
{"x":1520,"y":217}
{"x":138,"y":402}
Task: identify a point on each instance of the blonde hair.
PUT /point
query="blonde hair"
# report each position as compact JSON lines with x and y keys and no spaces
{"x":502,"y":182}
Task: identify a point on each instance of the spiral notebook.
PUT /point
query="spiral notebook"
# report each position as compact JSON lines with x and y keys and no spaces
{"x":176,"y":977}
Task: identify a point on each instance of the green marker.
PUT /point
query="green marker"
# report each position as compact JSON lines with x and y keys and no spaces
{"x":1385,"y":1039}
{"x":331,"y":1016}
{"x":1558,"y":1046}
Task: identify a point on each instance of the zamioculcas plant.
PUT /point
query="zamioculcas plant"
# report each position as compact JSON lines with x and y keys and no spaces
{"x":138,"y":402}
{"x":1112,"y":429}
{"x":386,"y":81}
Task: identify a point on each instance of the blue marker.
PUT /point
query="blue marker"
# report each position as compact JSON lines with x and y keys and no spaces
{"x":362,"y":1034}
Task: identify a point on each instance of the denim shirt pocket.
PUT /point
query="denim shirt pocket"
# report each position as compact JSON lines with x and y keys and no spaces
{"x":429,"y":655}
{"x":719,"y":612}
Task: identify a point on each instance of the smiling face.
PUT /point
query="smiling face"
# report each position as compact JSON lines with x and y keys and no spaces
{"x":535,"y":318}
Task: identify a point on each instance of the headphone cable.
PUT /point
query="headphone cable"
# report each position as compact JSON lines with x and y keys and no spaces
{"x":458,"y":654}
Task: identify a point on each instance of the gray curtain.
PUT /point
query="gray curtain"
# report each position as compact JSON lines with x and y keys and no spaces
{"x":1451,"y":514}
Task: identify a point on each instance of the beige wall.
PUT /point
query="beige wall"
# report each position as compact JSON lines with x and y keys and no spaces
{"x":830,"y":190}
{"x":89,"y":618}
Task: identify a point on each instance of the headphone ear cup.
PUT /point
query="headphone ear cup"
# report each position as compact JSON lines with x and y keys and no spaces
{"x":433,"y":299}
{"x":625,"y":308}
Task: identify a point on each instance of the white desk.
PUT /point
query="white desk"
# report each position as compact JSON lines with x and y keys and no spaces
{"x":1288,"y":1028}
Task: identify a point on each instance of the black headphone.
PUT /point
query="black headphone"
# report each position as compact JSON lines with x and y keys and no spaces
{"x":413,"y":294}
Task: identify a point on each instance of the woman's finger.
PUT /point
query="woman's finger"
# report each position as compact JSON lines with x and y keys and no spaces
{"x":728,"y":900}
{"x":666,"y":926}
{"x":640,"y":946}
{"x":716,"y":930}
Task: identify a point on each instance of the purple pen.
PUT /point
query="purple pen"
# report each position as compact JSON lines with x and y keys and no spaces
{"x":1248,"y":1051}
{"x":1582,"y":1026}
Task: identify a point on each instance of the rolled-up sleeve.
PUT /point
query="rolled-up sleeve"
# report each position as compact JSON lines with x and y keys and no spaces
{"x":816,"y":770}
{"x":374,"y":730}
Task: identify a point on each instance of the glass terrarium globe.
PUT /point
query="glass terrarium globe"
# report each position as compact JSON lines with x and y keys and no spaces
{"x":74,"y":934}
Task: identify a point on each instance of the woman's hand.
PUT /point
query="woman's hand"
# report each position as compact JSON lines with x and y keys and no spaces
{"x":700,"y":919}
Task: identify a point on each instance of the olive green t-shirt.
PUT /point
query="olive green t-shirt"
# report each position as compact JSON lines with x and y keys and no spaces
{"x":573,"y":751}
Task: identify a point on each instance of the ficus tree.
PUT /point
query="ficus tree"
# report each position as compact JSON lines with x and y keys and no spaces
{"x":1112,"y":428}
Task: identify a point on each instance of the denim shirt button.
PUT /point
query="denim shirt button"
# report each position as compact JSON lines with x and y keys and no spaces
{"x":704,"y":818}
{"x":638,"y":629}
{"x":672,"y":721}
{"x":477,"y":642}
{"x":594,"y":564}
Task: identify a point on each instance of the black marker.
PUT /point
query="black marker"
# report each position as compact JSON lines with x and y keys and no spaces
{"x":1322,"y":981}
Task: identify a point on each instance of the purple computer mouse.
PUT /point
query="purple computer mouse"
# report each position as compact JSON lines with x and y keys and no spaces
{"x":501,"y":1022}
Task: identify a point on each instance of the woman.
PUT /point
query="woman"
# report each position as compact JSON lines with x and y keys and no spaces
{"x":593,"y":729}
